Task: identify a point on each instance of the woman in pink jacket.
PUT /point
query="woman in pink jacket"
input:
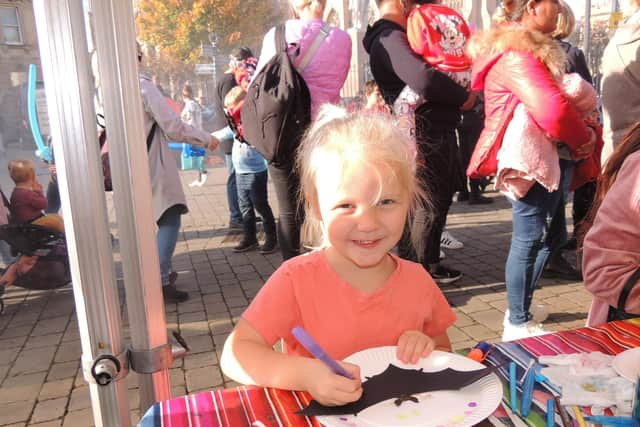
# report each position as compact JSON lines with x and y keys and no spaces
{"x":324,"y":75}
{"x":517,"y":62}
{"x":612,"y":246}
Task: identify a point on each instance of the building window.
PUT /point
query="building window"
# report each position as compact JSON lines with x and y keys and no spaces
{"x":10,"y":24}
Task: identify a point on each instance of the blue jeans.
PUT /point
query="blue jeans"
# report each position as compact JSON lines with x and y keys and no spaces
{"x":252,"y":194}
{"x":168,"y":229}
{"x":232,"y":191}
{"x":538,"y":228}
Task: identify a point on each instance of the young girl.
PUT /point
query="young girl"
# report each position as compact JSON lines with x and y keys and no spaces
{"x":612,"y":244}
{"x":358,"y":184}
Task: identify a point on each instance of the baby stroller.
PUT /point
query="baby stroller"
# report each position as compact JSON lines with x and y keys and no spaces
{"x":42,"y":262}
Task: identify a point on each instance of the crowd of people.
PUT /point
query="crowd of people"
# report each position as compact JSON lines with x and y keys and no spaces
{"x":363,"y":205}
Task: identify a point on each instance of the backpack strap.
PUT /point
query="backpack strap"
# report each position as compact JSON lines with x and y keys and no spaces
{"x":624,"y":294}
{"x":151,"y":134}
{"x":308,"y":55}
{"x":280,"y":40}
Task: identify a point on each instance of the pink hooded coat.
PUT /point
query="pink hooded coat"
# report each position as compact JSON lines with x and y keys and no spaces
{"x":514,"y":65}
{"x":612,"y":245}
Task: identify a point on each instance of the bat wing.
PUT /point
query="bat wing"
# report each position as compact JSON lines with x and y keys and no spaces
{"x":397,"y":382}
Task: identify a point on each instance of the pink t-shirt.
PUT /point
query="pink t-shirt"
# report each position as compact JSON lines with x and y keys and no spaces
{"x":305,"y":291}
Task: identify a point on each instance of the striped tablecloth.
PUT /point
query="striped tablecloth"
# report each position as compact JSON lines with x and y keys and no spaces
{"x":609,"y":338}
{"x":255,"y":406}
{"x":240,"y":406}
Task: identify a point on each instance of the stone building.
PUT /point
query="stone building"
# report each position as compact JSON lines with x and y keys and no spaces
{"x":18,"y":49}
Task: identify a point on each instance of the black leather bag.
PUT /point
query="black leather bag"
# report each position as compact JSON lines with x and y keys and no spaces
{"x":618,"y":313}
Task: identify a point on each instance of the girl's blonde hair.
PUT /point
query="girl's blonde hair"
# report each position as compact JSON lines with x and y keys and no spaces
{"x":566,"y":22}
{"x":511,"y":11}
{"x":22,"y":171}
{"x":342,"y":140}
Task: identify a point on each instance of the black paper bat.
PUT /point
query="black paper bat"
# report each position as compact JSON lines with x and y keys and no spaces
{"x":400,"y":384}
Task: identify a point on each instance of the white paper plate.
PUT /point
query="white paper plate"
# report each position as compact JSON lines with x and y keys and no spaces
{"x":627,"y":364}
{"x":464,"y":407}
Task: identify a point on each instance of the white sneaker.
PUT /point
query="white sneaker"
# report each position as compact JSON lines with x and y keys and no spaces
{"x":515,"y":332}
{"x":447,"y":241}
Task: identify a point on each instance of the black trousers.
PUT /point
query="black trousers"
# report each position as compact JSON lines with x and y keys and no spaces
{"x":469,"y":132}
{"x":291,"y":215}
{"x":437,"y":170}
{"x":582,"y":200}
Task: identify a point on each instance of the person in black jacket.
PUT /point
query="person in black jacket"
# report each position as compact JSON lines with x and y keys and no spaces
{"x":225,"y":84}
{"x":394,"y":66}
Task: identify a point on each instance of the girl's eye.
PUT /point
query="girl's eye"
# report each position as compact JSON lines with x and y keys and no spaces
{"x":385,"y":202}
{"x":344,"y":206}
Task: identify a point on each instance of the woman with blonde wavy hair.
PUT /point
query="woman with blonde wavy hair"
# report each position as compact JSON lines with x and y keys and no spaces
{"x":518,"y":63}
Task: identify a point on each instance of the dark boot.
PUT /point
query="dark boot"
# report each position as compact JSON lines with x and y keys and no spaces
{"x":270,"y":245}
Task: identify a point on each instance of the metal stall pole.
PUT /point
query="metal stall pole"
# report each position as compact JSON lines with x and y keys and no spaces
{"x":586,"y":47}
{"x":70,"y":92}
{"x":150,"y":355}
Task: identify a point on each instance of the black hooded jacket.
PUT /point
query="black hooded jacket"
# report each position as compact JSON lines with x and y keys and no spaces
{"x":394,"y":65}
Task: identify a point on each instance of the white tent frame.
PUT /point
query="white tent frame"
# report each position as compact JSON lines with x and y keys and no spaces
{"x":70,"y":92}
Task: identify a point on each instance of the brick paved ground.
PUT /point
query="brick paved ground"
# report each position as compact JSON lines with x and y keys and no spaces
{"x":40,"y":381}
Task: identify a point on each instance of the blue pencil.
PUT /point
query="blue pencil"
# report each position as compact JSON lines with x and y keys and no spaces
{"x":550,"y":413}
{"x":512,"y":386}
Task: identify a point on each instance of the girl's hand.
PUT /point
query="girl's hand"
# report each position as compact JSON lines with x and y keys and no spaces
{"x":331,"y":389}
{"x":413,"y":346}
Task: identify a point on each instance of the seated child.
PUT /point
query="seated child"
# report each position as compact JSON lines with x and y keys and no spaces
{"x":438,"y":34}
{"x":520,"y":166}
{"x":251,"y":181}
{"x":358,"y":184}
{"x":27,"y":199}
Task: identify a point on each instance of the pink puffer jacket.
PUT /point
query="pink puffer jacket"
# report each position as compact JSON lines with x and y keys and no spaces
{"x":327,"y":71}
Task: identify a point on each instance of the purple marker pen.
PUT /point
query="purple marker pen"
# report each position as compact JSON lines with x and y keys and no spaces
{"x":314,"y":348}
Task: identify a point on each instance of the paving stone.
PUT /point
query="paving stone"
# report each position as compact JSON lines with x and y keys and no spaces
{"x":55,"y":389}
{"x":203,"y":378}
{"x":43,"y":341}
{"x":17,"y":332}
{"x":200,"y":344}
{"x":200,"y":360}
{"x":80,"y":399}
{"x":480,"y":332}
{"x":8,"y":355}
{"x":82,"y":418}
{"x":68,"y":351}
{"x":221,"y":326}
{"x":193,"y":329}
{"x":50,"y":326}
{"x":15,"y":412}
{"x":49,"y":410}
{"x":54,"y":423}
{"x":23,"y":387}
{"x":63,"y":370}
